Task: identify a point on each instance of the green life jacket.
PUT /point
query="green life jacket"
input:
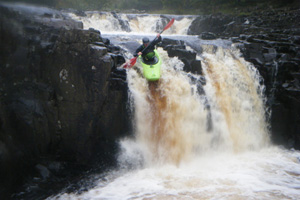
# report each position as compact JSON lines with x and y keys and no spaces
{"x":150,"y":55}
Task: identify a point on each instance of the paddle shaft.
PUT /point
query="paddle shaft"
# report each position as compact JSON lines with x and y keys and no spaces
{"x":165,"y":28}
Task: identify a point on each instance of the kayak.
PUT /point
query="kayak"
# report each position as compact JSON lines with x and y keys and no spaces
{"x":151,"y":69}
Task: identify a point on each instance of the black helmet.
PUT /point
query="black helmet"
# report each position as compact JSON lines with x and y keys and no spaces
{"x":145,"y":40}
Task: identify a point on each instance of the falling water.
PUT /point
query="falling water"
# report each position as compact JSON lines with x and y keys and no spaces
{"x":236,"y":97}
{"x":199,"y":145}
{"x":119,"y":23}
{"x":171,"y":119}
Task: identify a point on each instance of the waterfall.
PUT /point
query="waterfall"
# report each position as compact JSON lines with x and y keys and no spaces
{"x":167,"y":114}
{"x":189,"y":144}
{"x":171,"y":120}
{"x":237,"y":97}
{"x":112,"y":23}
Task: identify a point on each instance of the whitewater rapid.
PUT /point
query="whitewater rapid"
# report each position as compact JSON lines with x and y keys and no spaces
{"x":270,"y":173}
{"x":199,"y":137}
{"x":132,"y":24}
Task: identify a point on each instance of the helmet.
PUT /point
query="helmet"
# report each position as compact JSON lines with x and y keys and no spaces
{"x":145,"y":40}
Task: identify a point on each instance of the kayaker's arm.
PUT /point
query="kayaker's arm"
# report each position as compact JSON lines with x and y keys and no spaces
{"x":157,"y":40}
{"x":138,"y":50}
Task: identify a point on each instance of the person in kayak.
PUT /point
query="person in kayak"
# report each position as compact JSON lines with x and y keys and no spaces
{"x":148,"y":54}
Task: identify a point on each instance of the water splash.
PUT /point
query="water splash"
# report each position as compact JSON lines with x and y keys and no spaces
{"x":270,"y":173}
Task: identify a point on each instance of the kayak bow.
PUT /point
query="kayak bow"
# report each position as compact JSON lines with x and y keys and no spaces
{"x":151,"y":70}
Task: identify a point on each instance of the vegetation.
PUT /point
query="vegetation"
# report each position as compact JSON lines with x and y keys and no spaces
{"x":164,"y":6}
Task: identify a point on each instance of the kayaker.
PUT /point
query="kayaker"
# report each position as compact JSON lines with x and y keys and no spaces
{"x":148,"y":54}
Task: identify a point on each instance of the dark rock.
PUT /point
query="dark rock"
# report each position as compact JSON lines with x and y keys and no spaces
{"x":44,"y":172}
{"x":106,"y":41}
{"x":113,"y":49}
{"x":168,"y":47}
{"x":117,"y":59}
{"x":234,"y":29}
{"x":256,"y":61}
{"x":101,"y":44}
{"x":213,"y":23}
{"x":254,"y":51}
{"x":119,"y":74}
{"x":289,"y":66}
{"x":167,"y":42}
{"x":188,"y":58}
{"x":181,"y":53}
{"x":196,"y":67}
{"x":80,"y":13}
{"x":279,"y":121}
{"x":285,"y":85}
{"x":59,"y":99}
{"x":269,"y":57}
{"x":296,"y":39}
{"x":208,"y":36}
{"x":97,"y":51}
{"x":176,"y":48}
{"x":187,"y":66}
{"x":296,"y":75}
{"x":245,"y":37}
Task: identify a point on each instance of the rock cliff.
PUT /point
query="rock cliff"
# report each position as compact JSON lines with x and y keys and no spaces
{"x":61,"y":96}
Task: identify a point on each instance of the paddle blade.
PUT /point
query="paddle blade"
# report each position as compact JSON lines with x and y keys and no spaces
{"x":130,"y":63}
{"x":169,"y":24}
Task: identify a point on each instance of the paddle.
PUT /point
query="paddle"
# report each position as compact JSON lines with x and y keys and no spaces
{"x":132,"y":61}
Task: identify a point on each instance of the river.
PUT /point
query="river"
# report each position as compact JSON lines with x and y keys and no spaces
{"x":195,"y":137}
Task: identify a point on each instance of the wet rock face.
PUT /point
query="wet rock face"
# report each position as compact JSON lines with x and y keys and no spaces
{"x":273,"y":49}
{"x":61,"y":96}
{"x":213,"y":23}
{"x":177,"y":48}
{"x":269,"y":40}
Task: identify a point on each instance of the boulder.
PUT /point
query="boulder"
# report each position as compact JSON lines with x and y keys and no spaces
{"x":208,"y":36}
{"x":167,"y":41}
{"x":213,"y":23}
{"x":182,"y":53}
{"x":177,"y":48}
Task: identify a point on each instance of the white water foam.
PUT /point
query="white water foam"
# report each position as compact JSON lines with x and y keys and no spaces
{"x":171,"y":119}
{"x":236,"y":98}
{"x":270,"y":173}
{"x":111,"y":23}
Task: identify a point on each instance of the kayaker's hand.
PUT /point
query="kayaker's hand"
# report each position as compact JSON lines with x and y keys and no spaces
{"x":139,"y":53}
